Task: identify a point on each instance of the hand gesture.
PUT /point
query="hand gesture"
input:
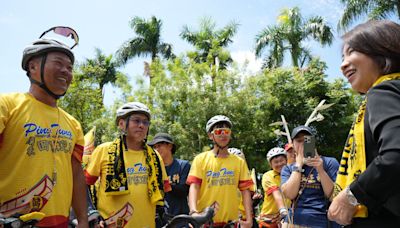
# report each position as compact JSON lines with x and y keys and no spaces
{"x":315,"y":162}
{"x":340,"y":210}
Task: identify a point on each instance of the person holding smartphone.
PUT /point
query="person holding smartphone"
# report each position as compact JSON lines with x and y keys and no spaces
{"x":308,"y":182}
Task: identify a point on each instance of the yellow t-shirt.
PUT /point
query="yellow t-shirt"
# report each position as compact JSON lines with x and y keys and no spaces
{"x":271,"y":181}
{"x":136,"y":170}
{"x":29,"y":131}
{"x":219,"y":180}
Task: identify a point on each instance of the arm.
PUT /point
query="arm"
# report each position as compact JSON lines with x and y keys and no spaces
{"x":79,"y":193}
{"x":326,"y":181}
{"x":193,"y":196}
{"x":290,"y":187}
{"x":278,"y":199}
{"x":247,"y":202}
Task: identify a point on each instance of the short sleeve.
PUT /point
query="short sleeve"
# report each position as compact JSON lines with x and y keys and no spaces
{"x":93,"y":169}
{"x":245,"y":181}
{"x":195,"y":173}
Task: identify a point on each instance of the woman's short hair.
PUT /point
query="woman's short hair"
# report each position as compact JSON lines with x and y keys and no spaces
{"x":380,"y":40}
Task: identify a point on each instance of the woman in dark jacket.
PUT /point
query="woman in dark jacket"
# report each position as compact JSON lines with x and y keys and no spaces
{"x":368,"y":183}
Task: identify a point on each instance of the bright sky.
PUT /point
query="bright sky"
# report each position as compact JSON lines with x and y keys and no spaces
{"x":104,"y":24}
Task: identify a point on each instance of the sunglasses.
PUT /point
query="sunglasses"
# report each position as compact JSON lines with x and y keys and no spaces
{"x":137,"y":122}
{"x":220,"y":131}
{"x":64,"y":31}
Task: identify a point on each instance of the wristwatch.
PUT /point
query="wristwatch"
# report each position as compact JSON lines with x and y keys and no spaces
{"x":296,"y":169}
{"x":351,"y":198}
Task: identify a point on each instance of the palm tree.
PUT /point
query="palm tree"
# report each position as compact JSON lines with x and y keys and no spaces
{"x":291,"y":30}
{"x":147,"y":43}
{"x":210,"y":43}
{"x":102,"y":69}
{"x":375,"y":9}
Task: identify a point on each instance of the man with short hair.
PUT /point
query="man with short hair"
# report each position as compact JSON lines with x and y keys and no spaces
{"x":40,"y":144}
{"x":216,"y":176}
{"x":177,"y":171}
{"x":132,"y":175}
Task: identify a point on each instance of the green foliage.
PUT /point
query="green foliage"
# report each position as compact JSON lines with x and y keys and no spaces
{"x":84,"y":99}
{"x":186,"y":91}
{"x":184,"y":98}
{"x":374,"y":9}
{"x":147,"y":41}
{"x":288,"y":35}
{"x":210,"y":43}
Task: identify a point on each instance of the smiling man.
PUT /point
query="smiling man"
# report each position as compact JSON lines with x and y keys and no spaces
{"x":40,"y":144}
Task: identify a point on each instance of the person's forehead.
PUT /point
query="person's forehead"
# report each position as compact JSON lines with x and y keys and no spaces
{"x":161,"y":143}
{"x":139,"y":116}
{"x":59,"y":55}
{"x":301,"y":135}
{"x":279,"y":157}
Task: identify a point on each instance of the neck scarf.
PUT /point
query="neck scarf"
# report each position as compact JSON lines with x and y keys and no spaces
{"x":353,"y":161}
{"x":116,"y":174}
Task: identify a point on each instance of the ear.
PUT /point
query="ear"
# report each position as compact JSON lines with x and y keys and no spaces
{"x":33,"y":66}
{"x":121,"y":124}
{"x":210,"y":136}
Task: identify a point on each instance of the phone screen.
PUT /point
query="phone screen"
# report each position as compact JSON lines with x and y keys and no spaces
{"x":309,"y":146}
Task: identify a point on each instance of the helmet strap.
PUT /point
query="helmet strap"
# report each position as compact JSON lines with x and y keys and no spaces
{"x":219,"y":147}
{"x":125,"y":132}
{"x":42,"y":84}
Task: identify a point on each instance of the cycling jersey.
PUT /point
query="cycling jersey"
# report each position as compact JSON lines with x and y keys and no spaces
{"x":142,"y":213}
{"x":30,"y":130}
{"x":271,"y":182}
{"x":219,"y":178}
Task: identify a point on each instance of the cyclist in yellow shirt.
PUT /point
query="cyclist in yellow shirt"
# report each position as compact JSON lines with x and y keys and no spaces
{"x":40,"y":144}
{"x":216,"y":175}
{"x":132,"y":175}
{"x":274,"y":206}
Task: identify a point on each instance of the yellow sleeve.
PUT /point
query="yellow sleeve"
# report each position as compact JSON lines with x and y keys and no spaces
{"x":93,"y":169}
{"x":245,"y":181}
{"x":270,"y":183}
{"x":4,"y":112}
{"x":196,"y":173}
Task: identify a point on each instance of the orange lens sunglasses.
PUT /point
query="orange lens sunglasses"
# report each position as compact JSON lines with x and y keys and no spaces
{"x":220,"y":131}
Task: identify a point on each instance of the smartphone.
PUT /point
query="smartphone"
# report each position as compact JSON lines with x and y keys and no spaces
{"x":309,"y":146}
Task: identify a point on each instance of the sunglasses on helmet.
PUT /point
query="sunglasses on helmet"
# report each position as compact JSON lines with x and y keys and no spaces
{"x":63,"y":31}
{"x":220,"y":131}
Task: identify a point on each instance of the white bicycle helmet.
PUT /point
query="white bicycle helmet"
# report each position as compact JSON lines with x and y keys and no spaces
{"x":42,"y":46}
{"x":217,"y":119}
{"x":237,"y":152}
{"x":132,"y":107}
{"x":275,"y":152}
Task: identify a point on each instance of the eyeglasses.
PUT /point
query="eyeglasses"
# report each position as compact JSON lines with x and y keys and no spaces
{"x":64,"y":31}
{"x":220,"y":131}
{"x":137,"y":122}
